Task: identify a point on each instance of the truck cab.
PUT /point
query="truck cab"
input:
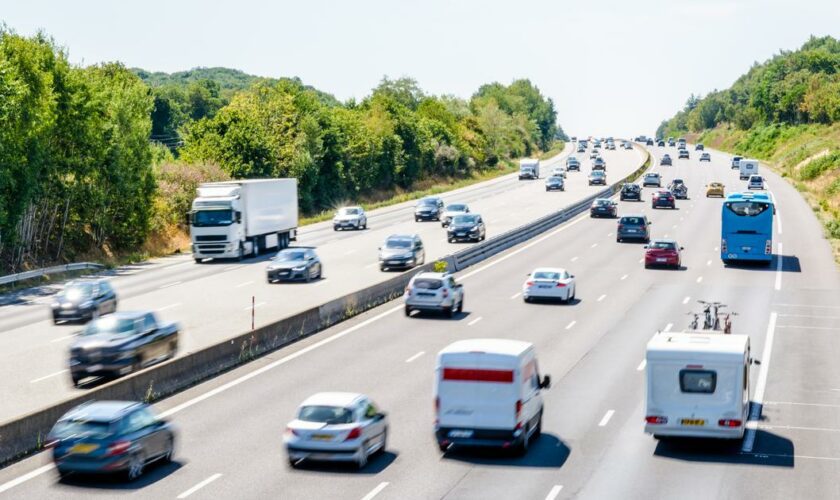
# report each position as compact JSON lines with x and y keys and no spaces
{"x":529,"y":168}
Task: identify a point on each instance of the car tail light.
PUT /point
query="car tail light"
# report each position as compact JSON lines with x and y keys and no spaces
{"x":354,"y":433}
{"x":408,"y":290}
{"x":768,"y":247}
{"x":656,"y":419}
{"x":729,"y":422}
{"x":723,"y":246}
{"x":291,"y":432}
{"x":621,"y":227}
{"x":561,"y":285}
{"x":118,"y":448}
{"x":529,"y":283}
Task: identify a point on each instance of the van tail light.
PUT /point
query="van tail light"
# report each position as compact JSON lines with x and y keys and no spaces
{"x":118,"y":448}
{"x":729,"y":422}
{"x":445,"y":293}
{"x":768,"y":247}
{"x":723,"y":246}
{"x":518,"y":408}
{"x":561,"y":285}
{"x":354,"y":433}
{"x":656,"y":419}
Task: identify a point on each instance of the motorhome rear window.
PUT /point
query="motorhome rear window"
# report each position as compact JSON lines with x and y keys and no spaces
{"x":698,"y":381}
{"x":475,"y":375}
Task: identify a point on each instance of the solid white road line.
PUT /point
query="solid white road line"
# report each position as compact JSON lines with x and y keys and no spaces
{"x":777,"y":213}
{"x":668,"y":327}
{"x":166,"y":308}
{"x":773,"y":403}
{"x":517,"y":294}
{"x":607,"y":416}
{"x":375,"y":491}
{"x":642,"y":365}
{"x":409,"y":360}
{"x":602,"y":297}
{"x":258,"y":304}
{"x":699,"y":279}
{"x":609,"y":234}
{"x":170,"y":284}
{"x":243,"y":284}
{"x":26,"y":477}
{"x":59,"y":339}
{"x":686,"y":299}
{"x":476,"y":320}
{"x":807,"y":316}
{"x":779,"y":260}
{"x":199,"y":486}
{"x":570,"y":325}
{"x":554,"y":493}
{"x":350,"y":252}
{"x":717,"y":249}
{"x":624,"y":277}
{"x":45,"y":377}
{"x":758,"y":396}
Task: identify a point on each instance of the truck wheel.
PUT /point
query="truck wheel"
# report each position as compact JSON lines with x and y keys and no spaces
{"x":240,"y":254}
{"x":407,"y":311}
{"x":198,"y":261}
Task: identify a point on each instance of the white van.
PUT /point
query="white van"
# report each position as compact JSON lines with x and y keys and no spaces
{"x":697,"y":385}
{"x":529,"y":168}
{"x":487,"y":393}
{"x":747,"y":168}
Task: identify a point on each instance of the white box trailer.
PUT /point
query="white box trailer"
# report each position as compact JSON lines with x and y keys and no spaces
{"x":487,"y":393}
{"x":697,"y":385}
{"x":529,"y":168}
{"x":235,"y":218}
{"x":747,"y":168}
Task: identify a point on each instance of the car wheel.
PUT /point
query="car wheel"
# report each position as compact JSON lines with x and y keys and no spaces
{"x":416,"y":219}
{"x":384,"y":445}
{"x":647,"y":266}
{"x":461,"y":304}
{"x":618,"y":240}
{"x":135,"y":467}
{"x":547,"y":190}
{"x":75,"y":380}
{"x":407,"y":311}
{"x":198,"y":261}
{"x":527,"y":299}
{"x":170,"y":451}
{"x":137,"y":365}
{"x":308,"y":277}
{"x":362,"y":461}
{"x":293,"y":463}
{"x":320,"y":271}
{"x":382,"y":268}
{"x":335,"y":228}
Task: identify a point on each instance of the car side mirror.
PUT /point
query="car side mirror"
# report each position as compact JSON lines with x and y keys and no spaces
{"x":379,"y":416}
{"x":546,"y":382}
{"x":682,"y":248}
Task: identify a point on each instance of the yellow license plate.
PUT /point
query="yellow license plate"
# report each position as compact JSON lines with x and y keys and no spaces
{"x":692,"y":421}
{"x":83,"y":448}
{"x":322,"y":437}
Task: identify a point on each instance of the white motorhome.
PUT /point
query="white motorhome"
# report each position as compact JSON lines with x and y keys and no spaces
{"x":747,"y":168}
{"x":235,"y":218}
{"x":529,"y":168}
{"x":487,"y":393}
{"x":697,"y":385}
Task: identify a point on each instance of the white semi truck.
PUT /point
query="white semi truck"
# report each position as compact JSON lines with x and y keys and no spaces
{"x":232,"y":219}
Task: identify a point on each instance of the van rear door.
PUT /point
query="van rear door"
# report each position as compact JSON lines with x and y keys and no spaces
{"x":477,"y":395}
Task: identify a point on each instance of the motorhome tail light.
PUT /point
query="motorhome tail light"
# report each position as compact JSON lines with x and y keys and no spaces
{"x":768,"y":247}
{"x":723,"y":246}
{"x":729,"y":422}
{"x":354,"y":433}
{"x":656,"y":419}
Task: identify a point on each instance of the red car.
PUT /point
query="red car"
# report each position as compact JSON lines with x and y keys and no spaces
{"x":663,"y":198}
{"x":663,"y":253}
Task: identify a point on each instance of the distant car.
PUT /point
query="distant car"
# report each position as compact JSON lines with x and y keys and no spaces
{"x":121,"y":343}
{"x":597,"y":145}
{"x":295,"y":264}
{"x":466,"y":227}
{"x":572,"y":163}
{"x":107,"y":437}
{"x":401,"y":251}
{"x":736,"y":162}
{"x":574,"y":138}
{"x":705,"y":156}
{"x":84,"y":300}
{"x":610,"y":146}
{"x":597,"y":177}
{"x":663,"y":253}
{"x":549,"y":283}
{"x":555,"y":183}
{"x":683,"y":154}
{"x":558,"y":172}
{"x":663,"y":198}
{"x":603,"y":207}
{"x":628,"y":145}
{"x":679,"y":189}
{"x":599,"y":164}
{"x":630,"y":191}
{"x":715,"y":189}
{"x":594,"y":154}
{"x":660,"y":143}
{"x":665,"y":160}
{"x":581,"y":148}
{"x":649,"y":142}
{"x":699,"y":147}
{"x":429,"y":208}
{"x":453,"y":210}
{"x":434,"y":292}
{"x":633,"y":227}
{"x":755,"y":182}
{"x":652,"y":179}
{"x":350,"y":218}
{"x":336,"y":427}
{"x":671,"y":142}
{"x":681,"y":147}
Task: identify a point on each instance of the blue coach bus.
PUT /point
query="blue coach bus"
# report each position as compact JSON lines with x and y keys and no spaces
{"x":747,"y":228}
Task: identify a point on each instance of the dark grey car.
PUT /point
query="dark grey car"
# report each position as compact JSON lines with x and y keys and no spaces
{"x":401,"y":251}
{"x":295,"y":264}
{"x":469,"y":227}
{"x":429,"y":208}
{"x":633,"y":227}
{"x":84,"y":300}
{"x":121,"y":343}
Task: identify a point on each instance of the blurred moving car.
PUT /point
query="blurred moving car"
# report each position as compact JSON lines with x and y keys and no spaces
{"x":453,"y":210}
{"x":581,"y":148}
{"x":549,"y":283}
{"x":652,"y":179}
{"x":121,"y":343}
{"x":683,"y":155}
{"x":665,"y":160}
{"x":671,"y":141}
{"x":110,"y":437}
{"x":663,"y":253}
{"x":434,"y":292}
{"x":597,"y":177}
{"x":630,"y":192}
{"x":715,"y":189}
{"x":594,"y":154}
{"x":350,"y":218}
{"x":401,"y":251}
{"x":705,"y":156}
{"x":428,"y":208}
{"x":555,"y":183}
{"x":755,"y":182}
{"x":84,"y":300}
{"x":295,"y":264}
{"x":603,"y":207}
{"x":663,"y":198}
{"x":336,"y":426}
{"x":466,"y":227}
{"x":572,"y":163}
{"x":610,"y":146}
{"x":633,"y":227}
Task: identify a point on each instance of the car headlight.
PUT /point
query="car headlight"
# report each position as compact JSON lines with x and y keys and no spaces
{"x":299,"y":268}
{"x":474,"y":228}
{"x":55,"y":305}
{"x":86,"y":304}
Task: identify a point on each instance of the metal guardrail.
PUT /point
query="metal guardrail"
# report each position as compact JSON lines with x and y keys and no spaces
{"x":36,"y":273}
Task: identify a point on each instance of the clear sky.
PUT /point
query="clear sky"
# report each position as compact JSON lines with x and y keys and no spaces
{"x":615,"y":67}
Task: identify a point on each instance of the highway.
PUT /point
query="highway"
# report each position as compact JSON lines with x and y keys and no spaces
{"x":593,"y":445}
{"x":212,"y":301}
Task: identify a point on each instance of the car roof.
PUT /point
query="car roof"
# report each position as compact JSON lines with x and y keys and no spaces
{"x":351,"y":206}
{"x":663,"y":240}
{"x":343,"y":399}
{"x":430,"y":276}
{"x":102,"y":411}
{"x":401,"y":237}
{"x":549,"y":270}
{"x":497,"y":346}
{"x":126,"y":315}
{"x":640,"y":216}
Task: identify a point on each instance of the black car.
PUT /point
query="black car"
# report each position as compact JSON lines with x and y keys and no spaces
{"x":84,"y":300}
{"x":683,"y":154}
{"x":110,"y":437}
{"x":660,"y":143}
{"x":469,"y":227}
{"x":679,"y":189}
{"x":121,"y":343}
{"x":666,"y":160}
{"x":295,"y":264}
{"x":572,"y":163}
{"x":555,"y":183}
{"x":630,"y":192}
{"x":699,"y":147}
{"x":429,"y":208}
{"x":633,"y":227}
{"x":649,"y":142}
{"x":663,"y":198}
{"x":401,"y":251}
{"x":603,"y":207}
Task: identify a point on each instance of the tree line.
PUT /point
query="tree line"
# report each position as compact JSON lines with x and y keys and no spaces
{"x":96,"y":160}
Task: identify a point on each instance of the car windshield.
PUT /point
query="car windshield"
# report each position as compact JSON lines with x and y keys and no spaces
{"x":663,"y":245}
{"x":402,"y":243}
{"x":203,"y":218}
{"x":652,"y":176}
{"x":632,"y":221}
{"x":456,"y":208}
{"x":286,"y":255}
{"x":326,"y":414}
{"x":110,"y":324}
{"x":546,"y":275}
{"x":76,"y":291}
{"x":427,"y":201}
{"x":465,"y":220}
{"x":756,"y":178}
{"x":80,"y":426}
{"x":349,"y":211}
{"x":427,"y":283}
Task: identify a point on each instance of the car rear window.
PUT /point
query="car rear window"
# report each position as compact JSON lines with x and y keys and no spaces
{"x":663,"y":245}
{"x":545,"y":275}
{"x":326,"y":414}
{"x":632,"y":221}
{"x":82,"y":427}
{"x":428,"y":283}
{"x":698,"y":381}
{"x":398,"y":243}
